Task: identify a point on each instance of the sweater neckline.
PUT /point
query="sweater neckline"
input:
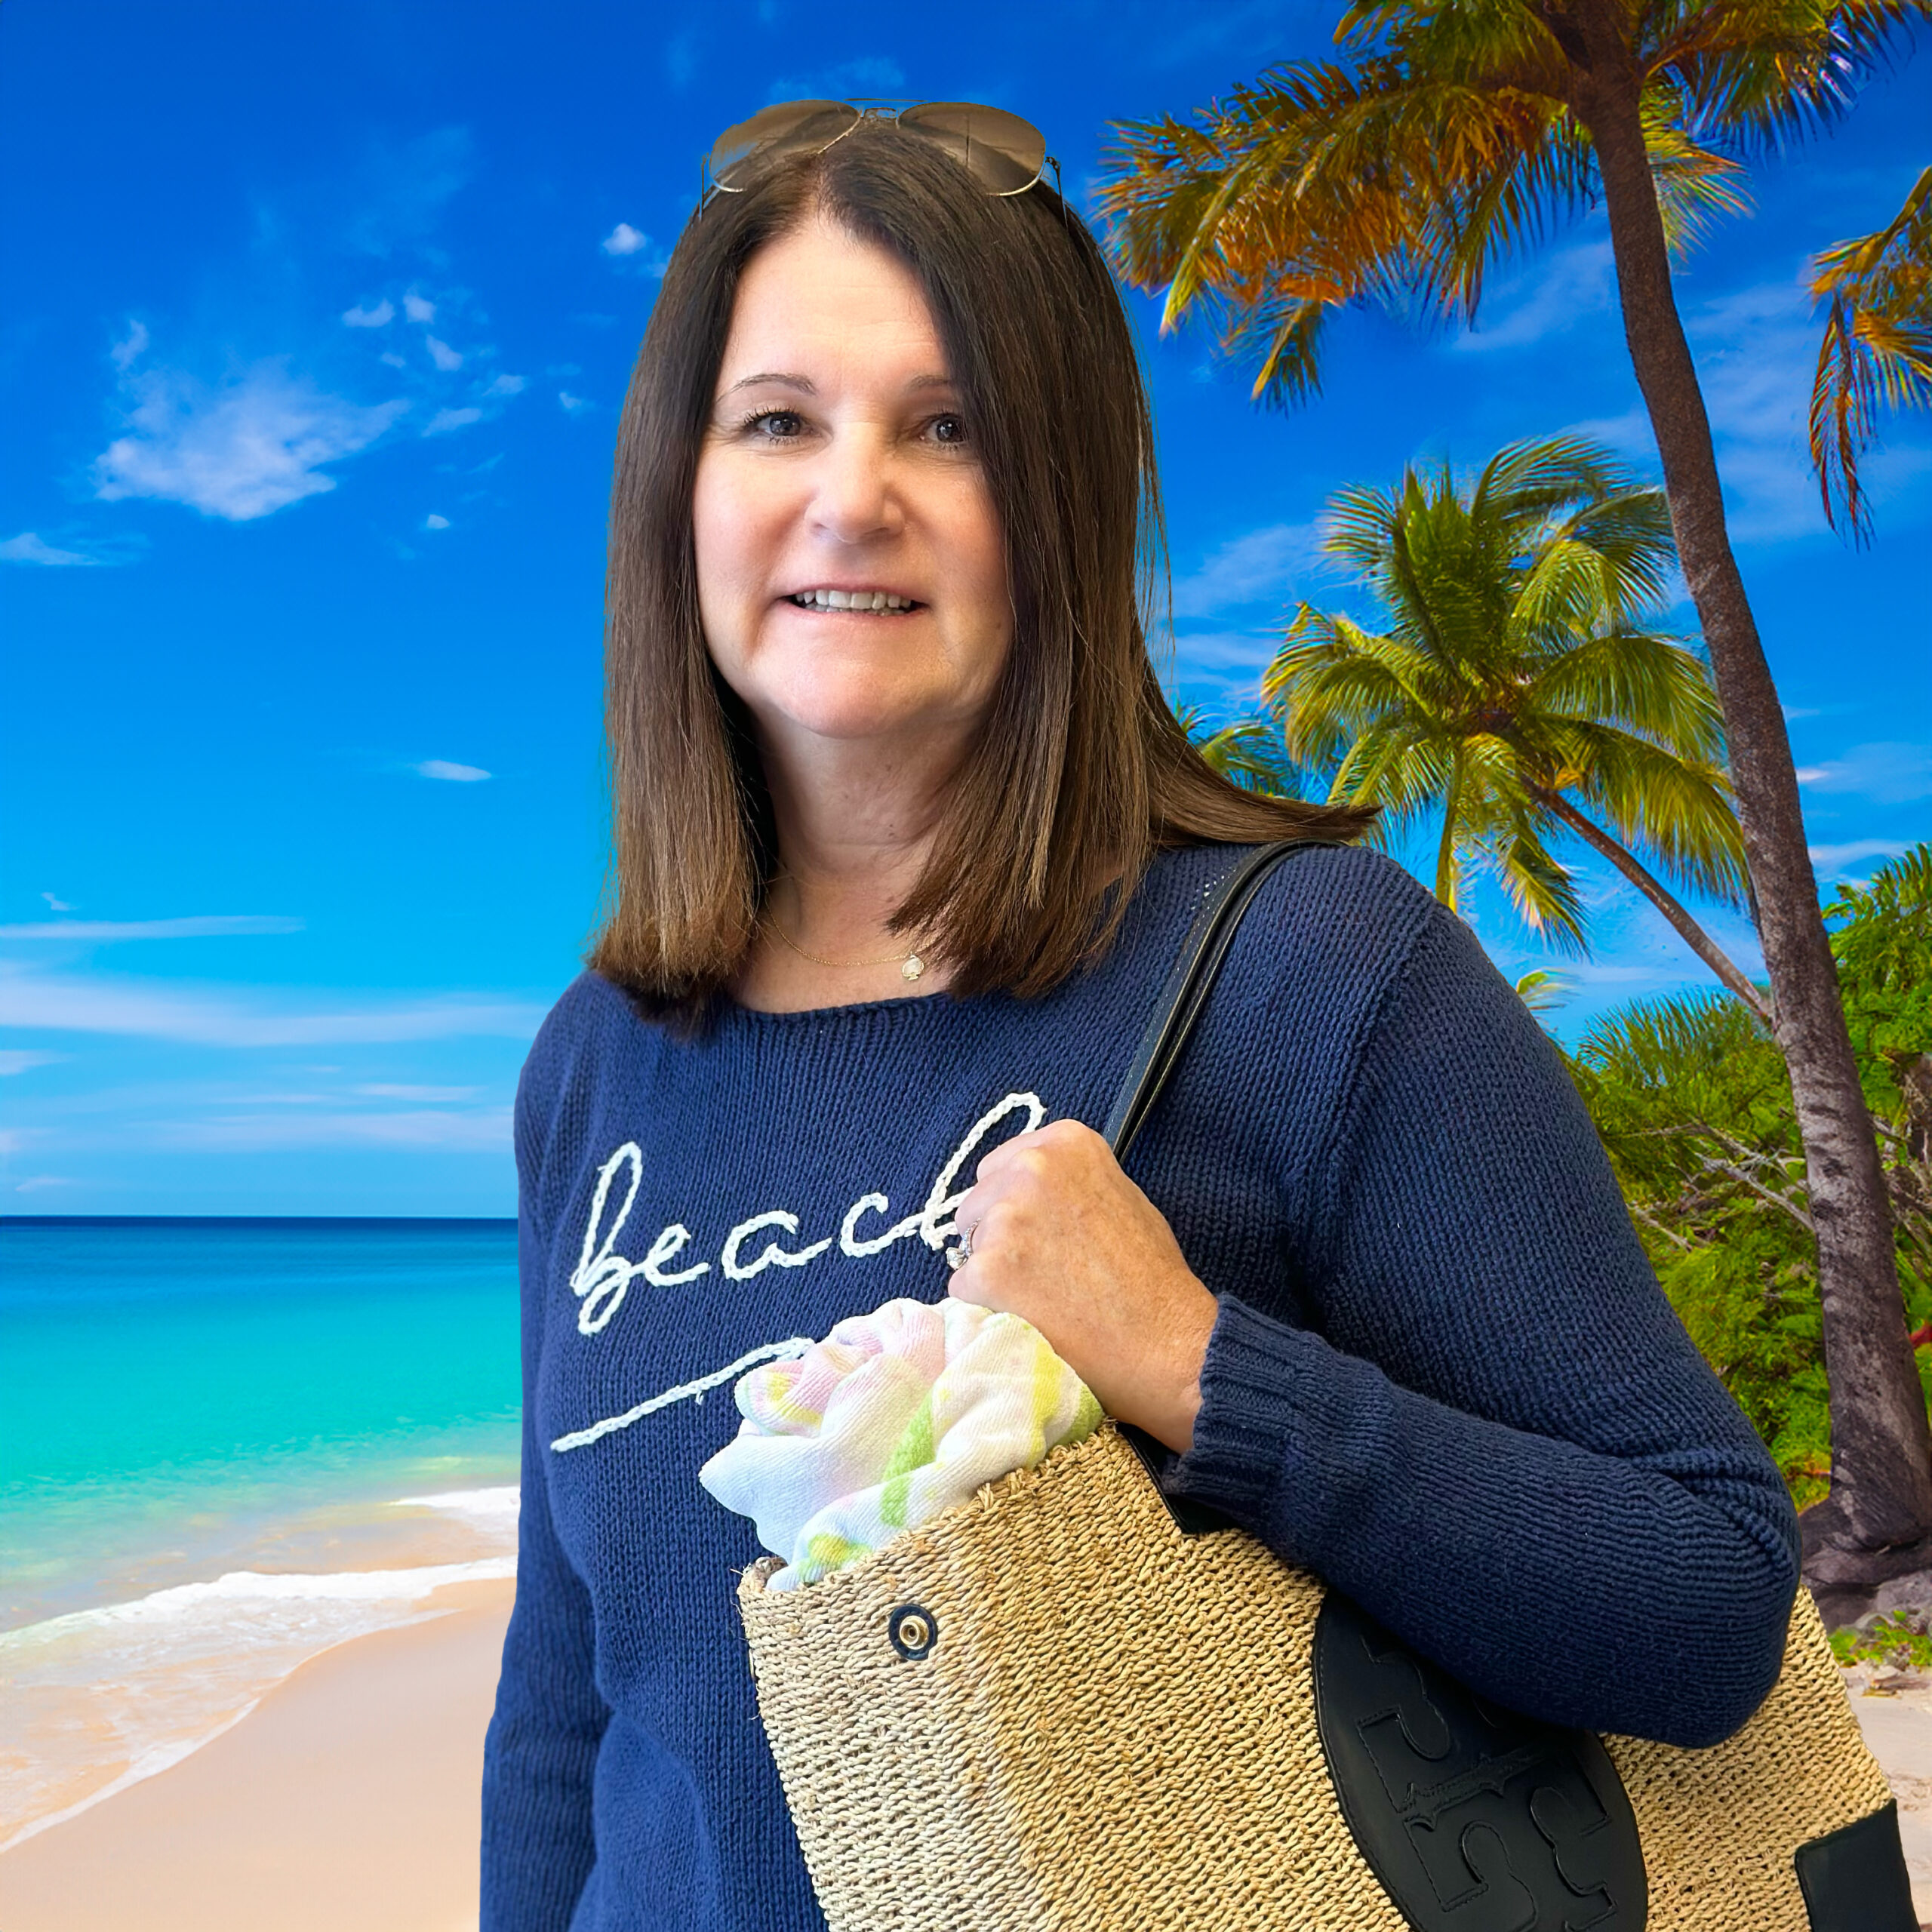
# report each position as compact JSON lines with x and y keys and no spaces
{"x":730,"y":1012}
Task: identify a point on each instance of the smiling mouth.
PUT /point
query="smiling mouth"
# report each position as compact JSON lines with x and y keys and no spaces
{"x":881,"y":602}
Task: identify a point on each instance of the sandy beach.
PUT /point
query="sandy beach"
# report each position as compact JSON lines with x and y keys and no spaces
{"x":348,"y":1798}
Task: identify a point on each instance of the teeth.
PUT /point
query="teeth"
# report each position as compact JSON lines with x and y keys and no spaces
{"x":851,"y":600}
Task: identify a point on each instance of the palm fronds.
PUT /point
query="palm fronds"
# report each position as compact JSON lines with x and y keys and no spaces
{"x":1877,"y":348}
{"x":1444,"y":141}
{"x":1516,"y":682}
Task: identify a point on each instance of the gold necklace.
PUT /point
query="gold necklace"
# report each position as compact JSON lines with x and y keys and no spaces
{"x":909,"y":964}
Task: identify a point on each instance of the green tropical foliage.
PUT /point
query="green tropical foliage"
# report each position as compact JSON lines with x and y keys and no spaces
{"x":1448,"y":136}
{"x":1544,"y":991}
{"x":1690,"y":1096}
{"x":1249,"y":751}
{"x":1877,"y":349}
{"x":1517,"y":685}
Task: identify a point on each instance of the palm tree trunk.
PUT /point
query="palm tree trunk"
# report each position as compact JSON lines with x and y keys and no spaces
{"x":1660,"y":896}
{"x":1445,"y":854}
{"x":1882,"y":1451}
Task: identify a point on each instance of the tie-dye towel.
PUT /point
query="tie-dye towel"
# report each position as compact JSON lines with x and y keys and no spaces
{"x":895,"y":1417}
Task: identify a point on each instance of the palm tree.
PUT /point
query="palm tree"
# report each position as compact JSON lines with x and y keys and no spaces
{"x":1519,"y":690}
{"x":1451,"y":135}
{"x":1249,"y":751}
{"x":1877,"y":346}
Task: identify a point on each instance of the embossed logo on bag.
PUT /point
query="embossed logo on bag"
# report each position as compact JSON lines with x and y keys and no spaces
{"x":1474,"y":1819}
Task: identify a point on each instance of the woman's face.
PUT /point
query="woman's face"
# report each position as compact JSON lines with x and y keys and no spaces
{"x":851,"y":573}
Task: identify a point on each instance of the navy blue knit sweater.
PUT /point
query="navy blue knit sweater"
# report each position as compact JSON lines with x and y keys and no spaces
{"x":1443,"y":1376}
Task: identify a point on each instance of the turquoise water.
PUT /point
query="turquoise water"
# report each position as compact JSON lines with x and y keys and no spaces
{"x":170,"y":1389}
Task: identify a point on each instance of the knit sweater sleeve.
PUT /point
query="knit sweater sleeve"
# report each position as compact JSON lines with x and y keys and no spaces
{"x":541,"y":1752}
{"x":1501,"y":1443}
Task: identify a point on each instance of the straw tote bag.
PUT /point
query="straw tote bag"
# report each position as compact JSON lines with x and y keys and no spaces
{"x":1070,"y":1705}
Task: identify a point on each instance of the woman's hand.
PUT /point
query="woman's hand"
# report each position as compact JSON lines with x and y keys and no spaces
{"x":1060,"y":1235}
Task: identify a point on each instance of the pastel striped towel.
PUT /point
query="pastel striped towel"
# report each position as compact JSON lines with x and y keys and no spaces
{"x":895,"y":1417}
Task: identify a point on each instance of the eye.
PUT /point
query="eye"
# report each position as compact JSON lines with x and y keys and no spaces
{"x":776,"y":426}
{"x":949,"y":429}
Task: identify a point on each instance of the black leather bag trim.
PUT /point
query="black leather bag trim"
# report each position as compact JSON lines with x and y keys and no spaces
{"x":1854,"y":1879}
{"x":1475,"y":1818}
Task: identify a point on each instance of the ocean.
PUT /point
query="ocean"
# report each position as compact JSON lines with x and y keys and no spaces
{"x":225,"y":1446}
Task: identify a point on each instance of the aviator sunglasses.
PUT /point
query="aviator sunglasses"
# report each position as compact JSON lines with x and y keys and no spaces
{"x":1004,"y":154}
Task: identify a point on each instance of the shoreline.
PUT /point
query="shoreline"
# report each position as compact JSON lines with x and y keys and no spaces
{"x":347,"y":1795}
{"x":96,"y":1702}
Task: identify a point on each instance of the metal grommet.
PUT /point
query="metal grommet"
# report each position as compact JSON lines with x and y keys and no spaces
{"x":914,"y":1631}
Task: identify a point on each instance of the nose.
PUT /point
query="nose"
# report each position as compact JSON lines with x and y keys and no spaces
{"x":857,"y":499}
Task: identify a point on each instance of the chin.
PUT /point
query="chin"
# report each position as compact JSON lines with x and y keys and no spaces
{"x":855,"y":706}
{"x":857,"y":718}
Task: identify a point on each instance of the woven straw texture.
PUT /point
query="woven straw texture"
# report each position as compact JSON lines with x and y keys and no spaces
{"x":1114,"y":1730}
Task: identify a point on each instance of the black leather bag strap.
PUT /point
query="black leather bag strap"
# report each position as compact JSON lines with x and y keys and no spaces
{"x":1188,"y":984}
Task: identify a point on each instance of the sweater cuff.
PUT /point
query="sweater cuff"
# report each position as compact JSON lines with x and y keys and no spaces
{"x":1249,"y":1385}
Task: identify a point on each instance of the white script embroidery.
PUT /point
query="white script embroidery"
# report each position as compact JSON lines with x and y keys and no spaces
{"x":786,"y":1351}
{"x":602,"y":1277}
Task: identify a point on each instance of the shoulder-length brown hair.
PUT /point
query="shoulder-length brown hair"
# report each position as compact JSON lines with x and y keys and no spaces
{"x":1081,"y":769}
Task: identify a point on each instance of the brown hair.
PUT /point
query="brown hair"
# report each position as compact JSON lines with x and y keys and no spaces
{"x":1082,"y":769}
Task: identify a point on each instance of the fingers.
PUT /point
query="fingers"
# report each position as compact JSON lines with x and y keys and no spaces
{"x":1044,"y":1148}
{"x":1062,"y":1157}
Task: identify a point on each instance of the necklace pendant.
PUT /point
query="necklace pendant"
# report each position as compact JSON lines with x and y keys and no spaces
{"x":913,"y":967}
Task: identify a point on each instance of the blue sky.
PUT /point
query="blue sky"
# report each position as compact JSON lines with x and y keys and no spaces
{"x":316,"y":322}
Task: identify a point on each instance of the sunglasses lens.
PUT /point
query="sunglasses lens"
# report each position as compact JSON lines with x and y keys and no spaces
{"x":1003,"y":151}
{"x":793,"y":127}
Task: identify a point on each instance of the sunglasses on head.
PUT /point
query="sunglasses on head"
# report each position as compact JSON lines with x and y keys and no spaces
{"x":1004,"y":154}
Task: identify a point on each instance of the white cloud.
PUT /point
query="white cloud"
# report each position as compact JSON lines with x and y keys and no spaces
{"x":247,"y":1016}
{"x":506,"y":385}
{"x":245,"y":451}
{"x":379,"y":317}
{"x":459,"y":774}
{"x":445,"y":358}
{"x":394,"y":361}
{"x":1756,"y":352}
{"x":486,"y":1128}
{"x":624,"y":240}
{"x":1565,"y":287}
{"x":1224,"y":650}
{"x":404,"y":189}
{"x":1630,"y":432}
{"x":444,"y":420}
{"x":433,"y":521}
{"x":1252,"y":569}
{"x":427,"y":1095}
{"x":57,"y":905}
{"x":1831,"y":860}
{"x":870,"y":74}
{"x":417,"y":309}
{"x":27,"y":548}
{"x":35,"y":1183}
{"x":130,"y":345}
{"x":1889,"y":773}
{"x":18,"y":1060}
{"x":572,"y":404}
{"x":220,"y":925}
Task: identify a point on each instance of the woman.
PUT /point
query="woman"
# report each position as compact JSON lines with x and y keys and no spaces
{"x":907,"y":842}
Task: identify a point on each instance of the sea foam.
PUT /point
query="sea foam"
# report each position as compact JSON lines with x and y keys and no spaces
{"x":98,"y":1699}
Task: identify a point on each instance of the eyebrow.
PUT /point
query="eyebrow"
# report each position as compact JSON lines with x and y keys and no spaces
{"x":786,"y":379}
